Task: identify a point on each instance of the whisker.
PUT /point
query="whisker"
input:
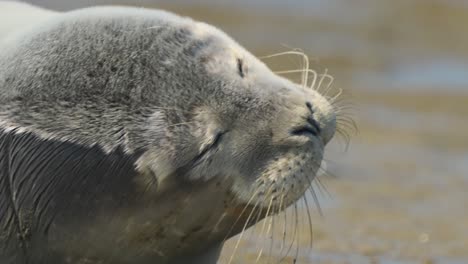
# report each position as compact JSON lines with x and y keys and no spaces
{"x":337,"y":95}
{"x":309,"y":218}
{"x":307,"y":204}
{"x":269,"y":192}
{"x":242,"y":233}
{"x":345,"y":99}
{"x":314,"y":73}
{"x":283,"y":207}
{"x":259,"y":214}
{"x":341,"y":105}
{"x":314,"y":195}
{"x":345,"y":115}
{"x":343,"y":110}
{"x":272,"y":238}
{"x":294,"y":236}
{"x":242,"y":213}
{"x":297,"y":237}
{"x":322,"y":188}
{"x":346,"y":119}
{"x":347,"y":124}
{"x":263,"y":227}
{"x":344,"y":128}
{"x":305,"y":60}
{"x":322,"y":78}
{"x":345,"y":134}
{"x":284,"y":224}
{"x":305,"y":69}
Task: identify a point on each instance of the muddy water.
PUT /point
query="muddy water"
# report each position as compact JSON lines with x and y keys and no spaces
{"x":399,"y":193}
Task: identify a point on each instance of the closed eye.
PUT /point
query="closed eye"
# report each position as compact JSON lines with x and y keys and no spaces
{"x":213,"y":145}
{"x":217,"y":139}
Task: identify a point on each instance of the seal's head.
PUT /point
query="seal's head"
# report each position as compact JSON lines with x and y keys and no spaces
{"x":262,"y":131}
{"x":188,"y":103}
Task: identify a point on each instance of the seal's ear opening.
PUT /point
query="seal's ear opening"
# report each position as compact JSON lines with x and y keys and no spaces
{"x":204,"y":59}
{"x":240,"y":67}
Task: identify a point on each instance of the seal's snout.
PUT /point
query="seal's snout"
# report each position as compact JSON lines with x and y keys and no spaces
{"x":309,"y":114}
{"x":321,"y":117}
{"x":309,"y":125}
{"x":313,"y":117}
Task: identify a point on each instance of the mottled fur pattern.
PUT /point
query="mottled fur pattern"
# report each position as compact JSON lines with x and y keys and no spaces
{"x":178,"y":97}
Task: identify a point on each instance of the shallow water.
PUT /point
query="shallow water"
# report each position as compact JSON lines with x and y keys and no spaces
{"x":399,"y":192}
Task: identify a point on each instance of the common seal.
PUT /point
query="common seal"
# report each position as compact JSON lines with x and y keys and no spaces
{"x":131,"y":135}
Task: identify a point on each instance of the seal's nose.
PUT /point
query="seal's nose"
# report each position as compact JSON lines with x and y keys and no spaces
{"x":309,"y":113}
{"x":309,"y":125}
{"x":311,"y":120}
{"x":320,"y":121}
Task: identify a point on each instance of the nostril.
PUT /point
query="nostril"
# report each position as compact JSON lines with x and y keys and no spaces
{"x":314,"y":123}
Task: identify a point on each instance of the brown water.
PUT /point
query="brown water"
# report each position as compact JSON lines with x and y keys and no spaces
{"x":399,"y":194}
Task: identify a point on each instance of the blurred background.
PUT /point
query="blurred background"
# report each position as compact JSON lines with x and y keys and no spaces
{"x":398,"y":193}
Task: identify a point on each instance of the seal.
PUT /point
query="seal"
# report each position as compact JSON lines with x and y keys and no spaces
{"x":130,"y":135}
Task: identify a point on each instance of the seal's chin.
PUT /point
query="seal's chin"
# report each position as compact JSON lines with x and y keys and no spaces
{"x":283,"y":181}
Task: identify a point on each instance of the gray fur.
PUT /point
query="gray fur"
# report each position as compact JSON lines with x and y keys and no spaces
{"x":167,"y":91}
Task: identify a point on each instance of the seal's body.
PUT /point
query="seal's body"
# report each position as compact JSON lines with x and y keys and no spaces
{"x":137,"y":136}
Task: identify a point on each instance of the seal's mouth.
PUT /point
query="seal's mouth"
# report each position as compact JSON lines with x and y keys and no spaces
{"x":312,"y":127}
{"x":308,"y":130}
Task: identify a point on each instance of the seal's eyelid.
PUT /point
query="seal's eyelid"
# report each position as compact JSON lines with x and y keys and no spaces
{"x":217,"y":139}
{"x":240,"y":67}
{"x":213,"y":144}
